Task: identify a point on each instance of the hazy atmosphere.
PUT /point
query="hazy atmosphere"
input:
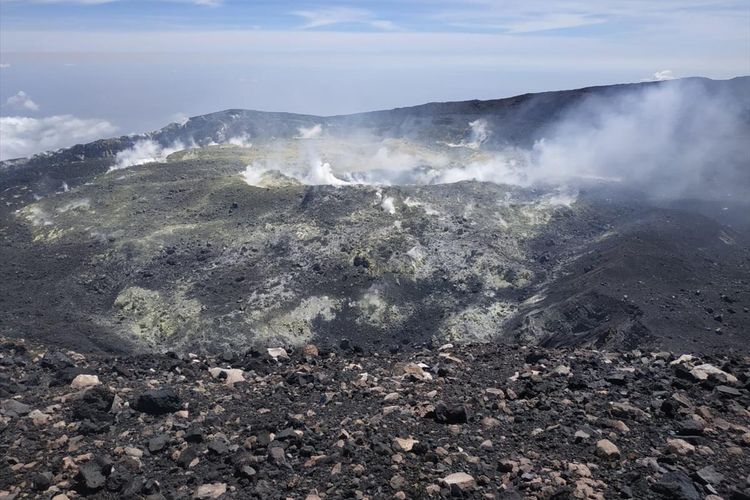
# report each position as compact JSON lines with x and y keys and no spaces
{"x":414,"y":249}
{"x":79,"y":70}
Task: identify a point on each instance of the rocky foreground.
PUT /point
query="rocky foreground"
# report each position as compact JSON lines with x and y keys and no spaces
{"x":481,"y":422}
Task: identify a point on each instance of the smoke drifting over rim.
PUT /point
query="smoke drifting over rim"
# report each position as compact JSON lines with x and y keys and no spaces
{"x":672,"y":139}
{"x":669,"y":140}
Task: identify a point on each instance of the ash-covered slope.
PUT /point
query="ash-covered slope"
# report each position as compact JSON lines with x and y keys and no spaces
{"x":462,"y":422}
{"x":246,"y":228}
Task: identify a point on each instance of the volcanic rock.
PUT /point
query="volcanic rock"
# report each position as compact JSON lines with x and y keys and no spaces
{"x":158,"y":401}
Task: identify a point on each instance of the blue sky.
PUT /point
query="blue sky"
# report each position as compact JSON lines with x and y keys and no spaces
{"x":136,"y":65}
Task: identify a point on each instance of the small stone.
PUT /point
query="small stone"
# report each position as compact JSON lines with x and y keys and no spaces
{"x":133,"y":452}
{"x":277,"y":456}
{"x":561,"y":370}
{"x":581,"y":435}
{"x":607,"y":449}
{"x":392,"y":396}
{"x":230,"y":375}
{"x":417,"y":372}
{"x":498,"y":393}
{"x":490,"y":423}
{"x":39,"y":418}
{"x":311,"y":351}
{"x":704,"y":371}
{"x":432,"y":490}
{"x":277,"y":353}
{"x":397,"y":482}
{"x":404,"y":444}
{"x":212,"y":490}
{"x":680,"y":447}
{"x":82,"y":381}
{"x":459,"y":482}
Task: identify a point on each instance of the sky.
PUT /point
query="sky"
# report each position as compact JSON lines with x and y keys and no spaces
{"x":77,"y":70}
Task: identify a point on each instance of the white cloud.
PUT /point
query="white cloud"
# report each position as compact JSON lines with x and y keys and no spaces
{"x":343,"y":15}
{"x":81,"y":2}
{"x":208,"y":3}
{"x":22,"y":101}
{"x":552,"y":22}
{"x":23,"y":136}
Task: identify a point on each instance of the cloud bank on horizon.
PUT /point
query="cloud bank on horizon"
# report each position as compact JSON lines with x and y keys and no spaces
{"x":190,"y":57}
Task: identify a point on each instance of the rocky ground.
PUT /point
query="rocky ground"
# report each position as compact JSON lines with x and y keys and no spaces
{"x":484,"y":421}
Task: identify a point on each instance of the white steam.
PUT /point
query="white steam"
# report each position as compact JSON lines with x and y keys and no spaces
{"x":144,"y":151}
{"x":318,"y":173}
{"x":387,"y":203}
{"x":669,"y":140}
{"x":321,"y":174}
{"x":661,"y":76}
{"x":480,"y":131}
{"x":242,"y":141}
{"x":310,"y":132}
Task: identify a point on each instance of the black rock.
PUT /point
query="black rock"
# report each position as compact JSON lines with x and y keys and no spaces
{"x":122,"y":370}
{"x":218,"y":446}
{"x":158,"y":402}
{"x":93,"y":409}
{"x":617,"y":378}
{"x":277,"y":456}
{"x":13,"y":408}
{"x":670,"y":407}
{"x":132,"y":488}
{"x":727,"y":392}
{"x":246,"y":471}
{"x":456,"y":414}
{"x":40,"y":481}
{"x":90,"y":477}
{"x":690,"y":427}
{"x":286,"y":434}
{"x":188,"y":455}
{"x":56,"y":361}
{"x":535,"y":357}
{"x":264,"y":438}
{"x":709,"y":475}
{"x":676,"y":485}
{"x":194,"y":434}
{"x":157,"y":443}
{"x":117,"y":480}
{"x":300,"y":378}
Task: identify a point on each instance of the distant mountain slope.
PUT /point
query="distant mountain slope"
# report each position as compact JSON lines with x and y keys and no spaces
{"x":194,"y":251}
